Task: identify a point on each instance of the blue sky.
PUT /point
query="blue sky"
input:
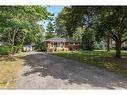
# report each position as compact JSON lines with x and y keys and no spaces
{"x":53,"y":9}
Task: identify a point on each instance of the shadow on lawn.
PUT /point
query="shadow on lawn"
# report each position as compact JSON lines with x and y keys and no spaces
{"x":59,"y":68}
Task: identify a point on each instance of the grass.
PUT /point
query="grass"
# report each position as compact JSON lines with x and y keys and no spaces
{"x":99,"y":58}
{"x":9,"y":66}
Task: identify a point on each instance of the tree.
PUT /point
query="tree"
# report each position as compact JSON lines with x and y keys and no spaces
{"x":50,"y":26}
{"x":74,"y":18}
{"x":19,"y":22}
{"x":113,"y":21}
{"x":50,"y":33}
{"x":79,"y":21}
{"x":88,"y":39}
{"x":77,"y":35}
{"x":60,"y":21}
{"x":110,"y":21}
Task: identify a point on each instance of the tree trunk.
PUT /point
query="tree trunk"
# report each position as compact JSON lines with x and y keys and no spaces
{"x":108,"y":44}
{"x":13,"y":37}
{"x":13,"y":40}
{"x":118,"y":49}
{"x":9,"y":37}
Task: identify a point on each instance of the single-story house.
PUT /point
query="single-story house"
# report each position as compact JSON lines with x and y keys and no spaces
{"x":61,"y":44}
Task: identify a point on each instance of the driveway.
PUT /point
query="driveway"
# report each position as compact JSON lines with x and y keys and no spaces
{"x":44,"y":71}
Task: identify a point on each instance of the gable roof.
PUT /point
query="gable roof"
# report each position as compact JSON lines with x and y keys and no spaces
{"x":57,"y":40}
{"x":60,"y":40}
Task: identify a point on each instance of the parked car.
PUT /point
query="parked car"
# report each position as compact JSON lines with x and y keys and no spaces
{"x":1,"y":43}
{"x":27,"y":48}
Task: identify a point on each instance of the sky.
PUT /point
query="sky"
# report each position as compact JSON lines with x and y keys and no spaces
{"x":53,"y":9}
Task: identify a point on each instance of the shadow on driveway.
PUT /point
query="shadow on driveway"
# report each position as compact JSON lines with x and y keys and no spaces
{"x":74,"y":72}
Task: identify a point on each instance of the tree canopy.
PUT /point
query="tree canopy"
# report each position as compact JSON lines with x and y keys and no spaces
{"x":18,"y":24}
{"x":105,"y":21}
{"x":113,"y":21}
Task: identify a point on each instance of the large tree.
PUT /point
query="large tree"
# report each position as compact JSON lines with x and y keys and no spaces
{"x":50,"y":33}
{"x":60,"y":22}
{"x":50,"y":26}
{"x":79,"y":21}
{"x":113,"y":22}
{"x":18,"y":23}
{"x":107,"y":21}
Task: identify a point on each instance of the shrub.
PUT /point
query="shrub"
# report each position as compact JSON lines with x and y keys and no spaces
{"x":5,"y":49}
{"x":39,"y":46}
{"x":43,"y":49}
{"x":16,"y":49}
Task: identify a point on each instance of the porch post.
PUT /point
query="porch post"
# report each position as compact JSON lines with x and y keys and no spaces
{"x":53,"y":46}
{"x":64,"y":45}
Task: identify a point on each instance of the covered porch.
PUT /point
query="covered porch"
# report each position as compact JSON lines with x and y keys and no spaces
{"x":60,"y":44}
{"x":56,"y":46}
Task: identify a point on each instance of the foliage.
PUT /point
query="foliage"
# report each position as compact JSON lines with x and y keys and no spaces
{"x":88,"y":40}
{"x":50,"y":30}
{"x":39,"y":47}
{"x":113,"y":21}
{"x":50,"y":26}
{"x":50,"y":35}
{"x":60,"y":21}
{"x":100,"y":45}
{"x":78,"y":34}
{"x":43,"y":48}
{"x":18,"y":24}
{"x":74,"y":18}
{"x":107,"y":21}
{"x":5,"y":49}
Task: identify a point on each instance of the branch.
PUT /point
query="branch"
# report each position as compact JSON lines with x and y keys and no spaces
{"x":113,"y":36}
{"x":123,"y":40}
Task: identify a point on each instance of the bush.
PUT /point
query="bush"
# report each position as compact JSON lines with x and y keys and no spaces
{"x":43,"y":49}
{"x":16,"y":49}
{"x":5,"y":49}
{"x":40,"y":47}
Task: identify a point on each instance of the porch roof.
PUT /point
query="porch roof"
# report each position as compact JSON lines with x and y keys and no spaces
{"x":56,"y":40}
{"x":60,"y":40}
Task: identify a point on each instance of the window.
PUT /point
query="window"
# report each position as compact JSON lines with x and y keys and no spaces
{"x":51,"y":44}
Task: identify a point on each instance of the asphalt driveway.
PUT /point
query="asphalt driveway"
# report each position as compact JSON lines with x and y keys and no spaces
{"x":44,"y":71}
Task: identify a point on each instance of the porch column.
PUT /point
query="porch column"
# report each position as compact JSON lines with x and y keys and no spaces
{"x":49,"y":44}
{"x":64,"y":45}
{"x":53,"y":46}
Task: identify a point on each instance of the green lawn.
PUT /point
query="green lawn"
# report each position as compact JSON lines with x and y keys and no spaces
{"x":99,"y":58}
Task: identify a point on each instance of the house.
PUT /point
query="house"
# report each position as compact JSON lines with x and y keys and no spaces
{"x":61,"y":44}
